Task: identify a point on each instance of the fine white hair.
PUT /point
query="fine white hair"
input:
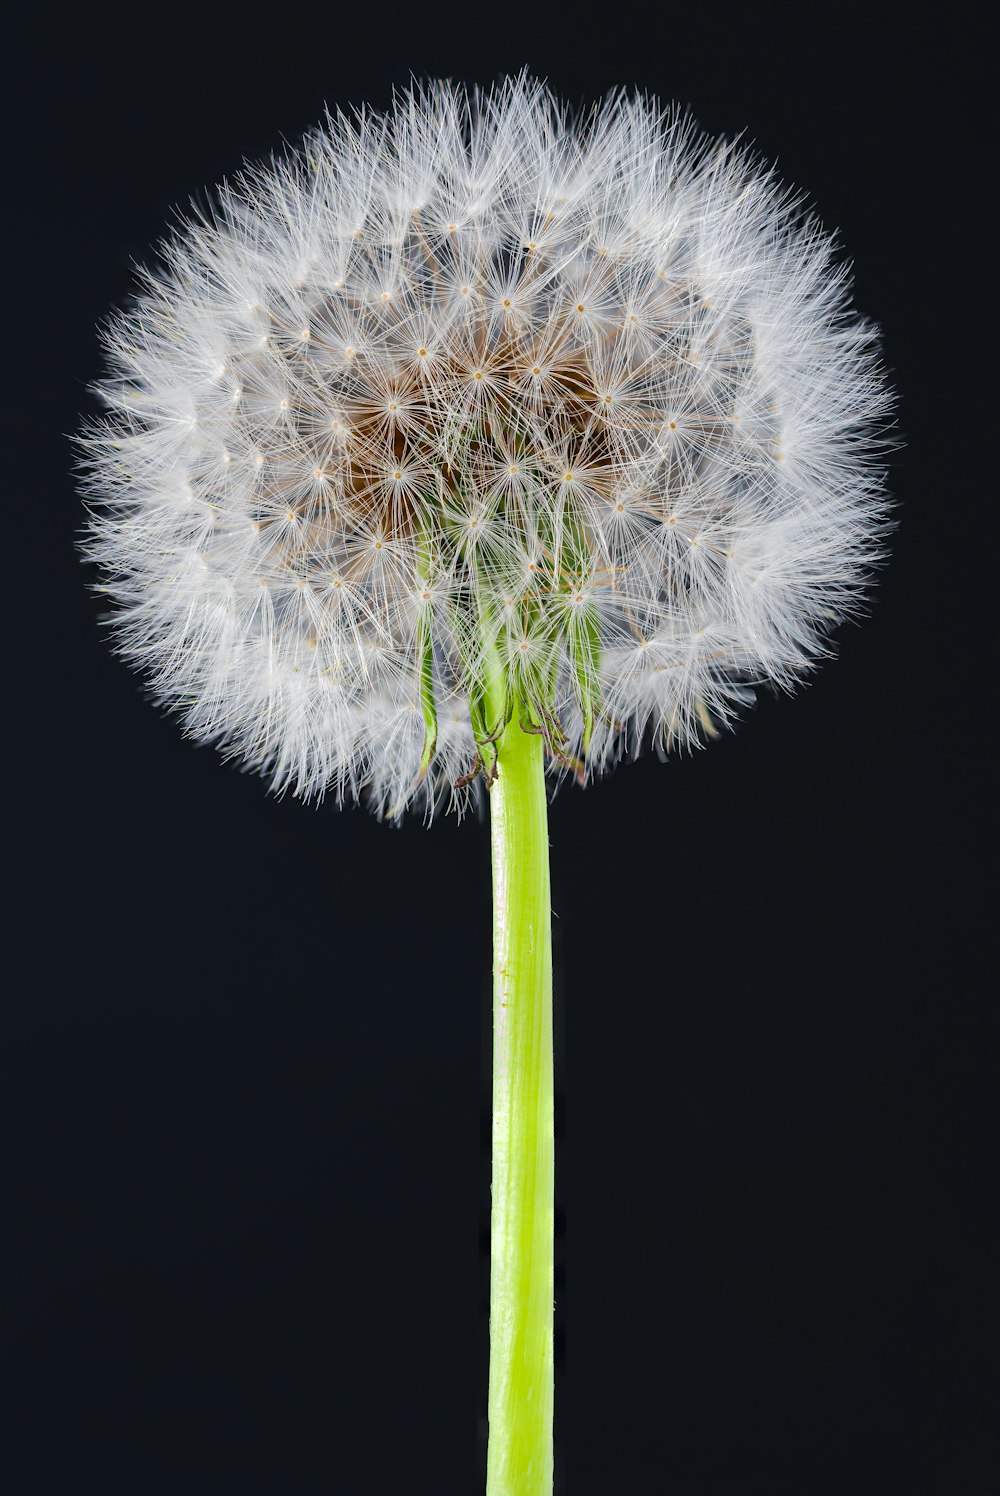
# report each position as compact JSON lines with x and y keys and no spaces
{"x":473,"y":387}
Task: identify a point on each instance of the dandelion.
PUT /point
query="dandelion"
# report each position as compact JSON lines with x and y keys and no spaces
{"x":471,"y":443}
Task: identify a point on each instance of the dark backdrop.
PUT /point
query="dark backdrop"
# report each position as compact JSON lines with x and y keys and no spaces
{"x":247,"y":1177}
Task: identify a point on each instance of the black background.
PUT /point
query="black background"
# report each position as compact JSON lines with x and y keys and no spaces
{"x":247,"y":1177}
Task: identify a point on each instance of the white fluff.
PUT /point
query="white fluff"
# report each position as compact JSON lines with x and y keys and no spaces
{"x":469,"y":387}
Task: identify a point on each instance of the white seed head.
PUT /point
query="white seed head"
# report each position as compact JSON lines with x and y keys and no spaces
{"x":470,"y":392}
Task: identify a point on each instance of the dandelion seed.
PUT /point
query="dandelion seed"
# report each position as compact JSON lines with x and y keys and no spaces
{"x":680,"y":333}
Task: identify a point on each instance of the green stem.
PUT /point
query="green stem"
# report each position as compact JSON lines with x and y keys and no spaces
{"x":521,"y":1235}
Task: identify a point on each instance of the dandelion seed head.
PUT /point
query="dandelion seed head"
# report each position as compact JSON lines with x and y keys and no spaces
{"x":470,"y":387}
